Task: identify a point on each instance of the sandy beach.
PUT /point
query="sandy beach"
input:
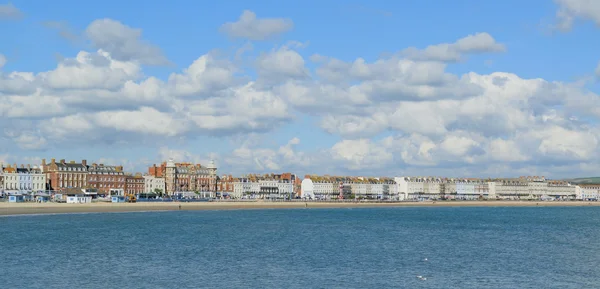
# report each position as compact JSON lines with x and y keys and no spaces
{"x":56,"y":208}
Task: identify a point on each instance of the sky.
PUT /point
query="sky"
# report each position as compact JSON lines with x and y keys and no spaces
{"x":367,"y":88}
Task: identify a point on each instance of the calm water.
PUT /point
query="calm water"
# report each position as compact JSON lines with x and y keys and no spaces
{"x":314,"y":248}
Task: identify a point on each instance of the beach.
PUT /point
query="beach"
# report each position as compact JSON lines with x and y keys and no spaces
{"x":100,"y":207}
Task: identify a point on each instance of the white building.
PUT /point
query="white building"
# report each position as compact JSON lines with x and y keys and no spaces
{"x":509,"y":189}
{"x":307,"y":189}
{"x":531,"y":188}
{"x":23,"y":179}
{"x":264,"y":187}
{"x":152,"y":183}
{"x":587,"y":192}
{"x":410,"y":188}
{"x":561,"y":190}
{"x":326,"y":188}
{"x":244,"y":186}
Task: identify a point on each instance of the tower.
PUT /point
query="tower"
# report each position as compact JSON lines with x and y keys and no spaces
{"x":170,"y":177}
{"x":212,"y":172}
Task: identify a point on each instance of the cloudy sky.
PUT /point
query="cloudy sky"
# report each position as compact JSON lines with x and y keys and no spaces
{"x":450,"y":88}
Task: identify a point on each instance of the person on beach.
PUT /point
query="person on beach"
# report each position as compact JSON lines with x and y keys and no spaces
{"x":180,"y":206}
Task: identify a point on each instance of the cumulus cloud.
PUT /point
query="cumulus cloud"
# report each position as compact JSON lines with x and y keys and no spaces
{"x":250,"y":27}
{"x":10,"y":12}
{"x":451,"y":52}
{"x":281,"y":64}
{"x":251,"y":157}
{"x":123,"y":42}
{"x":569,"y":10}
{"x":402,"y":114}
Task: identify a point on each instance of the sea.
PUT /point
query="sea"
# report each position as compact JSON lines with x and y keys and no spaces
{"x":449,"y":247}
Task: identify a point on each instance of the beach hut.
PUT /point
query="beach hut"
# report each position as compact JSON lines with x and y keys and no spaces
{"x":41,"y":197}
{"x":79,"y":199}
{"x":16,"y":198}
{"x":118,"y":199}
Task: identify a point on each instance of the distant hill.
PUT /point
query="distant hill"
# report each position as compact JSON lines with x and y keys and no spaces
{"x":590,"y":180}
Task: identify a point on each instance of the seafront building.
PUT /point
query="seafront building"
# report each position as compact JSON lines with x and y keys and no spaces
{"x":185,"y":177}
{"x":588,"y":192}
{"x":274,"y":186}
{"x":428,"y":188}
{"x":339,"y":187}
{"x":104,"y":178}
{"x":22,"y":179}
{"x":134,"y":184}
{"x":62,"y":175}
{"x":154,"y":184}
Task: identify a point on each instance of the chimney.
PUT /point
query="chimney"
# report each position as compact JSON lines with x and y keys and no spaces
{"x":16,"y":165}
{"x":43,"y":162}
{"x":62,"y":161}
{"x":101,"y":165}
{"x":72,"y":162}
{"x":28,"y":166}
{"x":53,"y":161}
{"x":84,"y":162}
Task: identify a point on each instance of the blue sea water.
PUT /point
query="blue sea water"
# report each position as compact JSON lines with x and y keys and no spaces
{"x":305,"y":248}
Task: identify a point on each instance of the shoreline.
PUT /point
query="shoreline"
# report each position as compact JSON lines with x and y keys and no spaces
{"x":7,"y":209}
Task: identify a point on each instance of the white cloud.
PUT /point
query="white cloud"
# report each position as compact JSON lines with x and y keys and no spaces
{"x":568,"y":10}
{"x":89,"y":71}
{"x":179,"y":155}
{"x":506,"y":151}
{"x":361,"y":154}
{"x":123,"y":42}
{"x":205,"y":75}
{"x":451,"y":52}
{"x":28,"y":140}
{"x":2,"y":60}
{"x":403,"y":114}
{"x":250,"y":27}
{"x":282,"y":63}
{"x":10,"y":12}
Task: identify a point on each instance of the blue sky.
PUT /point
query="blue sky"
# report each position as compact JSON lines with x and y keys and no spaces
{"x":438,"y":116}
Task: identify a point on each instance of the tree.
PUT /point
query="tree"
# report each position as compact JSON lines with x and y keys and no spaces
{"x":158,"y":192}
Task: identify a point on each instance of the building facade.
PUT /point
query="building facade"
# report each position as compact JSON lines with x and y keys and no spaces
{"x":134,"y":184}
{"x":588,"y":192}
{"x":266,"y":186}
{"x":561,"y":190}
{"x":62,"y":175}
{"x":225,"y":184}
{"x":186,"y":177}
{"x":104,"y":178}
{"x":154,"y":184}
{"x":23,"y":179}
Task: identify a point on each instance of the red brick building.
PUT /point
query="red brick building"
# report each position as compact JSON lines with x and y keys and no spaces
{"x":103,"y":178}
{"x":182,"y":177}
{"x":134,"y":184}
{"x":225,"y":184}
{"x":62,"y":175}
